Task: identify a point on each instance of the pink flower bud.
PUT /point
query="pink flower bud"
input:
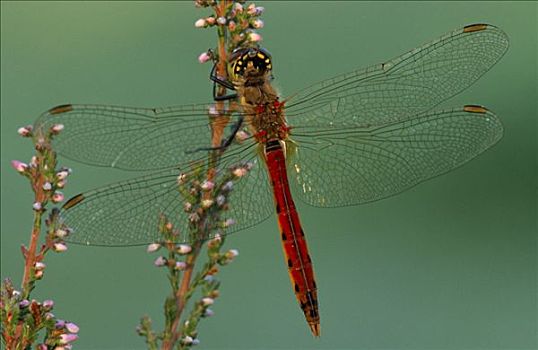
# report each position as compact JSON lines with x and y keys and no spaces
{"x":25,"y":131}
{"x":48,"y":304}
{"x":160,"y":261}
{"x":257,"y":23}
{"x":61,"y":233}
{"x":187,"y":207}
{"x":153,"y":247}
{"x":210,"y":20}
{"x":232,"y":253}
{"x":38,"y":275}
{"x":207,"y":185}
{"x":57,"y":197}
{"x":232,"y":26}
{"x":238,"y":7}
{"x":39,"y":266}
{"x":187,"y":340}
{"x":241,"y":136}
{"x":56,"y":128}
{"x":71,"y":327}
{"x":221,"y":20}
{"x":240,"y":172}
{"x":181,"y":179}
{"x":47,"y":186}
{"x":208,"y":313}
{"x":61,"y":175}
{"x":229,"y":222}
{"x":180,"y":265}
{"x":19,"y":166}
{"x":200,"y":23}
{"x":61,"y":184}
{"x":204,"y":57}
{"x":194,"y":217}
{"x":33,"y":161}
{"x":67,"y":338}
{"x":254,"y":37}
{"x":184,"y":249}
{"x":228,"y":186}
{"x":37,"y":206}
{"x":60,"y":247}
{"x":220,"y":200}
{"x":207,"y":301}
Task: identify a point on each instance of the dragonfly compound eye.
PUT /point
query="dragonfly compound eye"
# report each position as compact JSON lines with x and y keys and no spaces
{"x":250,"y":61}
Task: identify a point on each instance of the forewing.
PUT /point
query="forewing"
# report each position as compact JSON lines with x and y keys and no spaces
{"x":403,"y":87}
{"x":353,"y":165}
{"x":127,"y":213}
{"x":129,"y":138}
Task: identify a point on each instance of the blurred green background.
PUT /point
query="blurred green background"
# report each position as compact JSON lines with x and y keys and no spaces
{"x":449,"y":264}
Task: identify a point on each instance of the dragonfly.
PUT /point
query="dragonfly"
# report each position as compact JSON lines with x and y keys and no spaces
{"x":352,"y":139}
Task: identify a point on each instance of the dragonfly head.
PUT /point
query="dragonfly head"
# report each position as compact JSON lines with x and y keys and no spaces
{"x":250,"y":62}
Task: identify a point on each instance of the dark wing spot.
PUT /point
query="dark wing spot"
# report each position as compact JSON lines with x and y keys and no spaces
{"x":60,"y":109}
{"x":73,"y":201}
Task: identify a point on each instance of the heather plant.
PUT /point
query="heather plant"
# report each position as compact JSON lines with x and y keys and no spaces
{"x":24,"y":318}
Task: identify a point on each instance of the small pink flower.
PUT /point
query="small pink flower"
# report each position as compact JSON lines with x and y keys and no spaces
{"x":38,"y":275}
{"x":61,"y":233}
{"x":187,"y":207}
{"x":25,"y":131}
{"x":207,"y":301}
{"x":61,"y":184}
{"x":238,"y":7}
{"x":187,"y":340}
{"x":200,"y":23}
{"x":61,"y":175}
{"x":207,"y":185}
{"x":37,"y":206}
{"x":208,"y":313}
{"x":33,"y":161}
{"x":240,"y":172}
{"x":229,"y":222}
{"x":257,"y":23}
{"x":19,"y":166}
{"x":181,"y":179}
{"x":153,"y":247}
{"x":39,"y":266}
{"x":160,"y":261}
{"x":67,"y":338}
{"x":232,"y":253}
{"x":60,"y":247}
{"x":232,"y":26}
{"x":57,"y":197}
{"x":210,"y":20}
{"x":254,"y":37}
{"x":241,"y":136}
{"x":56,"y":128}
{"x":194,"y":217}
{"x":204,"y":57}
{"x":47,"y":186}
{"x":180,"y":265}
{"x":48,"y":304}
{"x":221,"y":20}
{"x":71,"y":327}
{"x":184,"y":249}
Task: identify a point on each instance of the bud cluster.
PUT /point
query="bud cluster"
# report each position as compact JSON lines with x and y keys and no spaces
{"x":241,"y":21}
{"x":14,"y":308}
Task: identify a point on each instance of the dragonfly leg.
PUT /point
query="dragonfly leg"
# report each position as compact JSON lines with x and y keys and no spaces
{"x":227,"y":84}
{"x":225,"y":143}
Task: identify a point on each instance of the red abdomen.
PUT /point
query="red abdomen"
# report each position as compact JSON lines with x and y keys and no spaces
{"x":293,"y":240}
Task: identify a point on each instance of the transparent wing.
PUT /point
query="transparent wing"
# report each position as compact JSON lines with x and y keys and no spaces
{"x":127,"y":213}
{"x":404,"y":86}
{"x":129,"y":138}
{"x":348,"y":165}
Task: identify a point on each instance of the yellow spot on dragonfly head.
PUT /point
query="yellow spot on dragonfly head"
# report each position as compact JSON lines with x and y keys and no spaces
{"x":267,"y":60}
{"x":260,"y":55}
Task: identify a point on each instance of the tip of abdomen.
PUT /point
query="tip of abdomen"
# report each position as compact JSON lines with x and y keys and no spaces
{"x":314,"y":327}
